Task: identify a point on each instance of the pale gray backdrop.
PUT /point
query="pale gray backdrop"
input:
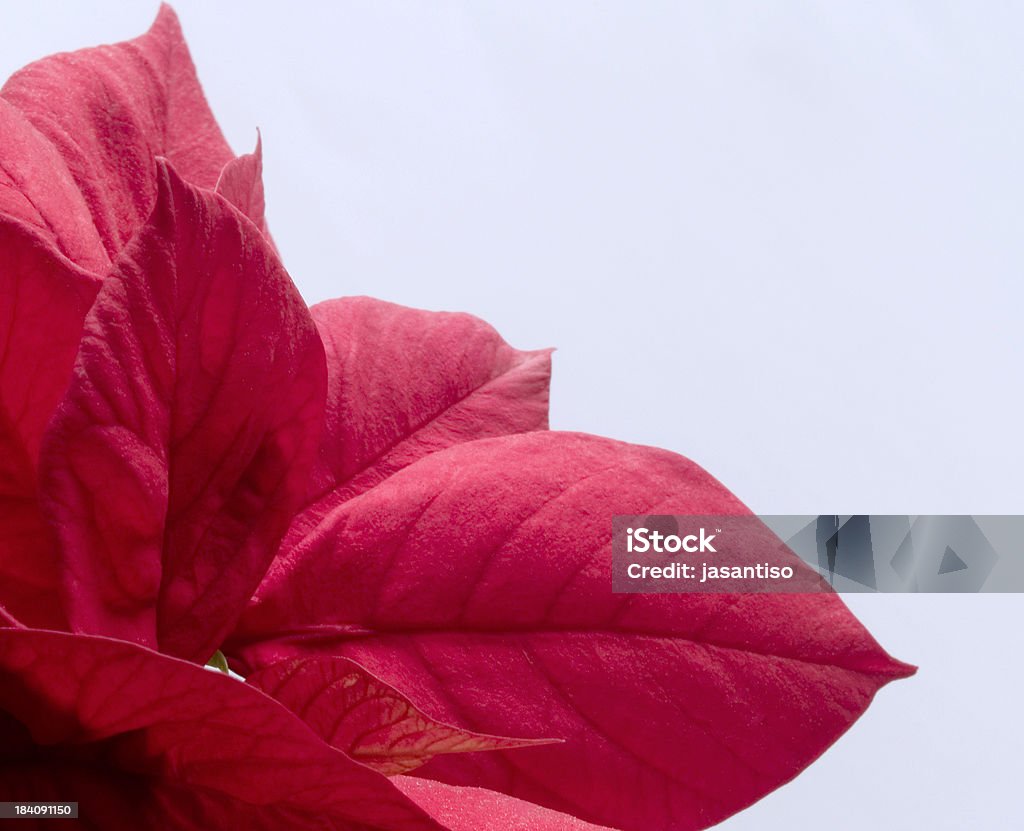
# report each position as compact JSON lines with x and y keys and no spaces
{"x":784,"y":239}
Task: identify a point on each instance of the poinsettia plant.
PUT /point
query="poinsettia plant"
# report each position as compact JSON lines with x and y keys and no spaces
{"x":357,"y":507}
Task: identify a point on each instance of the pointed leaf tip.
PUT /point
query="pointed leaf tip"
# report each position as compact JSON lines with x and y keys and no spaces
{"x":167,"y":24}
{"x":241,"y":183}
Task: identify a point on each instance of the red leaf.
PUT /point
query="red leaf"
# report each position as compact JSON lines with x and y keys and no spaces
{"x":143,"y":740}
{"x":111,"y":110}
{"x":478,"y":581}
{"x":43,"y":301}
{"x":368,"y":719}
{"x":477,"y":809}
{"x":180,"y":452}
{"x":403,"y":383}
{"x":241,"y":183}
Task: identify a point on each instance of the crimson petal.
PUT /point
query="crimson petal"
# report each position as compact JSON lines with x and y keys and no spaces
{"x":478,"y":581}
{"x":181,"y":449}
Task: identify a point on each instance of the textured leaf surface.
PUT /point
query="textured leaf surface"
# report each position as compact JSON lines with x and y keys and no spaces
{"x":478,"y":581}
{"x":142,"y":740}
{"x":38,"y":191}
{"x":43,"y":301}
{"x":109,"y":112}
{"x":403,"y":383}
{"x":365,"y":717}
{"x":181,"y":449}
{"x":477,"y":809}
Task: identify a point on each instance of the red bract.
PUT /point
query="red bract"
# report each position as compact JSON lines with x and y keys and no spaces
{"x":477,"y":581}
{"x":180,"y":451}
{"x":170,"y":411}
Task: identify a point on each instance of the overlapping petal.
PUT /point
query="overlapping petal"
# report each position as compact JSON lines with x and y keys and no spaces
{"x":478,"y":581}
{"x":403,"y":383}
{"x":109,"y":112}
{"x":180,"y":451}
{"x":142,"y":740}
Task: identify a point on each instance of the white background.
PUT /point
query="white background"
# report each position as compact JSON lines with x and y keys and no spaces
{"x":784,"y":239}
